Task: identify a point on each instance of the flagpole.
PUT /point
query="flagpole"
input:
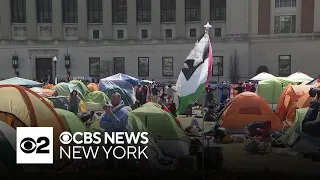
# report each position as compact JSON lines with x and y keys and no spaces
{"x":206,"y":30}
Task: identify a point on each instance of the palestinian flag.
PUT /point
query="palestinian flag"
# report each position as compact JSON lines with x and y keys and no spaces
{"x":195,"y":73}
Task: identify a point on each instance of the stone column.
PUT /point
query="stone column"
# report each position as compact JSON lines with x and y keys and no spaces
{"x":132,"y":19}
{"x":5,"y":20}
{"x":57,"y":20}
{"x":82,"y":20}
{"x":155,"y":19}
{"x":107,"y":19}
{"x":180,"y":19}
{"x":31,"y":19}
{"x":205,"y":13}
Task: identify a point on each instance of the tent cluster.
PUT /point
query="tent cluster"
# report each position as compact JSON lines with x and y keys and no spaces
{"x":48,"y":107}
{"x":283,"y":101}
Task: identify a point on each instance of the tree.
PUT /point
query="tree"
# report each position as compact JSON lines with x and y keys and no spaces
{"x":106,"y":68}
{"x":234,"y":68}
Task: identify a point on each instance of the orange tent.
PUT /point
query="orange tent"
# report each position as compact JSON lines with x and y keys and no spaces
{"x":48,"y":86}
{"x":246,"y":108}
{"x":92,"y":87}
{"x":289,"y":96}
{"x":302,"y":102}
{"x":21,"y":107}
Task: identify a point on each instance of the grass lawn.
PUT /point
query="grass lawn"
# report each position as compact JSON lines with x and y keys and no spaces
{"x":238,"y":160}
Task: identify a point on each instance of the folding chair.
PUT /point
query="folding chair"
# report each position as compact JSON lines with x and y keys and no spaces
{"x":262,"y":142}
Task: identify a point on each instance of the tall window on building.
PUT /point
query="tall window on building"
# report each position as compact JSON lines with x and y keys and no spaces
{"x":193,"y":10}
{"x":119,"y":11}
{"x":143,"y":66}
{"x":18,"y":11}
{"x":218,"y":10}
{"x":285,"y":3}
{"x":94,"y":8}
{"x":168,"y":10}
{"x":217,"y":66}
{"x":167,"y":66}
{"x":143,"y":10}
{"x":119,"y":65}
{"x":285,"y":24}
{"x":94,"y":67}
{"x":70,"y":11}
{"x":284,"y":65}
{"x":44,"y":11}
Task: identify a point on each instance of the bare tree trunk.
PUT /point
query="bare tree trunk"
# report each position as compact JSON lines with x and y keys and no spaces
{"x":106,"y":68}
{"x":234,"y":68}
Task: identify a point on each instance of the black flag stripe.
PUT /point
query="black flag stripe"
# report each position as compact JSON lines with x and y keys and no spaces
{"x":190,"y":65}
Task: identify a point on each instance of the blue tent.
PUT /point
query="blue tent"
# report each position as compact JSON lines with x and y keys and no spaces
{"x":121,"y":83}
{"x":108,"y":87}
{"x":21,"y":82}
{"x":124,"y":77}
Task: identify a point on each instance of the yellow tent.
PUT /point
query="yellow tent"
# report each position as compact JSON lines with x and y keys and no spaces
{"x":21,"y":107}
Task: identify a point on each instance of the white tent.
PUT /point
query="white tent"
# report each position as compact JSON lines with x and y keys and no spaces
{"x":262,"y":76}
{"x":300,"y":77}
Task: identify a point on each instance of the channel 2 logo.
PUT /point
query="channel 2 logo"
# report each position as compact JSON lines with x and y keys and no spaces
{"x":34,"y":145}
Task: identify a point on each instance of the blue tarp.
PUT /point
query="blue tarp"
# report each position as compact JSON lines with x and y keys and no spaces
{"x":121,"y":83}
{"x":133,"y":81}
{"x":109,"y":88}
{"x":21,"y":82}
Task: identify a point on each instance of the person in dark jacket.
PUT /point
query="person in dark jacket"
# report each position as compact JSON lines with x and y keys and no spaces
{"x":210,"y":114}
{"x":74,"y":101}
{"x":310,"y":124}
{"x":240,"y":88}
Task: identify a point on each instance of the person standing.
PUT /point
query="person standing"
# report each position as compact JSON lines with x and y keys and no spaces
{"x":155,"y":92}
{"x":145,"y":93}
{"x":115,"y":119}
{"x":170,"y":92}
{"x":74,"y":102}
{"x":225,"y":91}
{"x":209,"y":96}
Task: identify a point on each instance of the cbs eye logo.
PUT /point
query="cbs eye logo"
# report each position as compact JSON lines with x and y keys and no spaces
{"x":29,"y":145}
{"x":65,"y":138}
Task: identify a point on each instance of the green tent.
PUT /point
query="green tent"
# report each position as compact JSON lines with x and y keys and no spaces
{"x":64,"y":89}
{"x":7,"y":145}
{"x":95,"y":100}
{"x":150,"y":104}
{"x":160,"y":123}
{"x":271,"y":89}
{"x":81,"y":87}
{"x":134,"y":125}
{"x":71,"y":122}
{"x":291,"y":135}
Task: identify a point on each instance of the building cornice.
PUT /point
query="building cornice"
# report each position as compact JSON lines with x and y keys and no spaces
{"x":234,"y":38}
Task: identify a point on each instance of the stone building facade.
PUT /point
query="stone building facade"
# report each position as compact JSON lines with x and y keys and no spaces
{"x":150,"y":39}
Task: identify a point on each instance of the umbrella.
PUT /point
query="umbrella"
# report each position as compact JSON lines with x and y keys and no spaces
{"x":300,"y":77}
{"x":262,"y":76}
{"x":21,"y":82}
